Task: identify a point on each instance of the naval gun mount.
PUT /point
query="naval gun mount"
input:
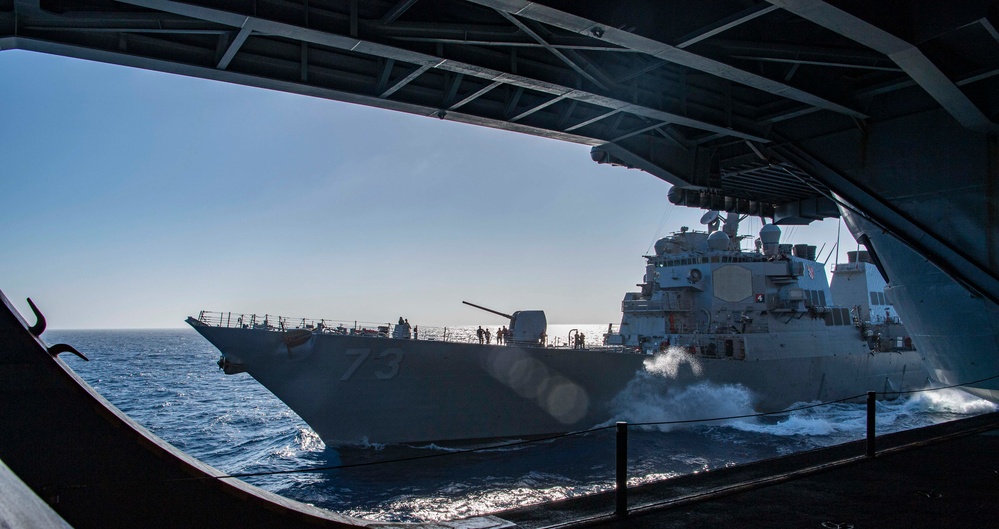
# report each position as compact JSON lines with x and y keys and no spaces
{"x":528,"y":328}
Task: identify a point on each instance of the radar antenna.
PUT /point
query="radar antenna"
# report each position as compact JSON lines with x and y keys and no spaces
{"x":710,"y":217}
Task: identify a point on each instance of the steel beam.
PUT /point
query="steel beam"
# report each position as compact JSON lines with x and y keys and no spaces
{"x":551,"y":49}
{"x":827,"y":64}
{"x":234,"y":45}
{"x":536,"y":108}
{"x":725,"y":24}
{"x":660,"y":50}
{"x":592,"y":120}
{"x":352,"y":44}
{"x":637,"y":132}
{"x":990,"y":28}
{"x":159,"y":65}
{"x":475,"y":95}
{"x":509,"y":44}
{"x":397,"y":11}
{"x":904,"y":54}
{"x":405,"y":81}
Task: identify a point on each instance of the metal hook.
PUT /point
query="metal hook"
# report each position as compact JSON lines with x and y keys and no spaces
{"x":60,"y":348}
{"x":38,"y":328}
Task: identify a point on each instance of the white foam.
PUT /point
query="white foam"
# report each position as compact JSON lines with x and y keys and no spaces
{"x":843,"y":422}
{"x":952,"y":401}
{"x":668,"y":363}
{"x":499,"y":445}
{"x":652,"y":397}
{"x":309,"y":441}
{"x":814,"y":422}
{"x":364,"y":443}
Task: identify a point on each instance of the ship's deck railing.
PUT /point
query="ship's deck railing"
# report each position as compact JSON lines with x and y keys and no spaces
{"x":271,"y":322}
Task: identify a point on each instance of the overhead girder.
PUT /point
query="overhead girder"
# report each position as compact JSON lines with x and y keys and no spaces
{"x":576,"y":24}
{"x":423,"y":62}
{"x":725,"y":24}
{"x":246,"y":30}
{"x":905,"y":54}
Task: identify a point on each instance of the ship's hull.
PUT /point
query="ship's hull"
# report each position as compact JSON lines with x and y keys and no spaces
{"x":956,"y":332}
{"x":383,"y":390}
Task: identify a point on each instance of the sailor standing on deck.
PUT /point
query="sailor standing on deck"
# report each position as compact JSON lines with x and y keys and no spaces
{"x":480,"y":333}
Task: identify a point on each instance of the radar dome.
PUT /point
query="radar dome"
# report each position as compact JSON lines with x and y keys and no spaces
{"x":718,"y":241}
{"x":661,"y":246}
{"x":770,"y":234}
{"x":770,"y":237}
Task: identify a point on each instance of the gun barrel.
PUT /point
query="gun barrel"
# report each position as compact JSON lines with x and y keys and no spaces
{"x":488,"y":310}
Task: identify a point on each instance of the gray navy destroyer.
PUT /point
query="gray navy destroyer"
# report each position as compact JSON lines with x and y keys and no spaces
{"x":765,"y":319}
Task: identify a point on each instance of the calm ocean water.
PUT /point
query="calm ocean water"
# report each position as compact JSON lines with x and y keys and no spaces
{"x":167,"y":380}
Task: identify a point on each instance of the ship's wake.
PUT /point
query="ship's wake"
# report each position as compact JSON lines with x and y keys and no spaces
{"x":826,"y":425}
{"x":951,"y":401}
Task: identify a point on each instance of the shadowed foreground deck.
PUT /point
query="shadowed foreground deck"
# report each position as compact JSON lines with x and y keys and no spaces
{"x":940,"y":476}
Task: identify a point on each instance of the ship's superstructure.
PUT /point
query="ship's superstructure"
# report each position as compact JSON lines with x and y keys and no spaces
{"x":703,"y":292}
{"x":858,"y":284}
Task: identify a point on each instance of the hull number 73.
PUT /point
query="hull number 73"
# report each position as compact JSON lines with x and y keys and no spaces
{"x":386,"y":362}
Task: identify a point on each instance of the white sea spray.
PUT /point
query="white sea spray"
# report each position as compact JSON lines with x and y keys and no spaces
{"x":669,"y":362}
{"x":651,"y":398}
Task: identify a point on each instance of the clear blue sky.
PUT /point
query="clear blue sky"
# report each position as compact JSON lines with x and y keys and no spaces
{"x":132,"y":199}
